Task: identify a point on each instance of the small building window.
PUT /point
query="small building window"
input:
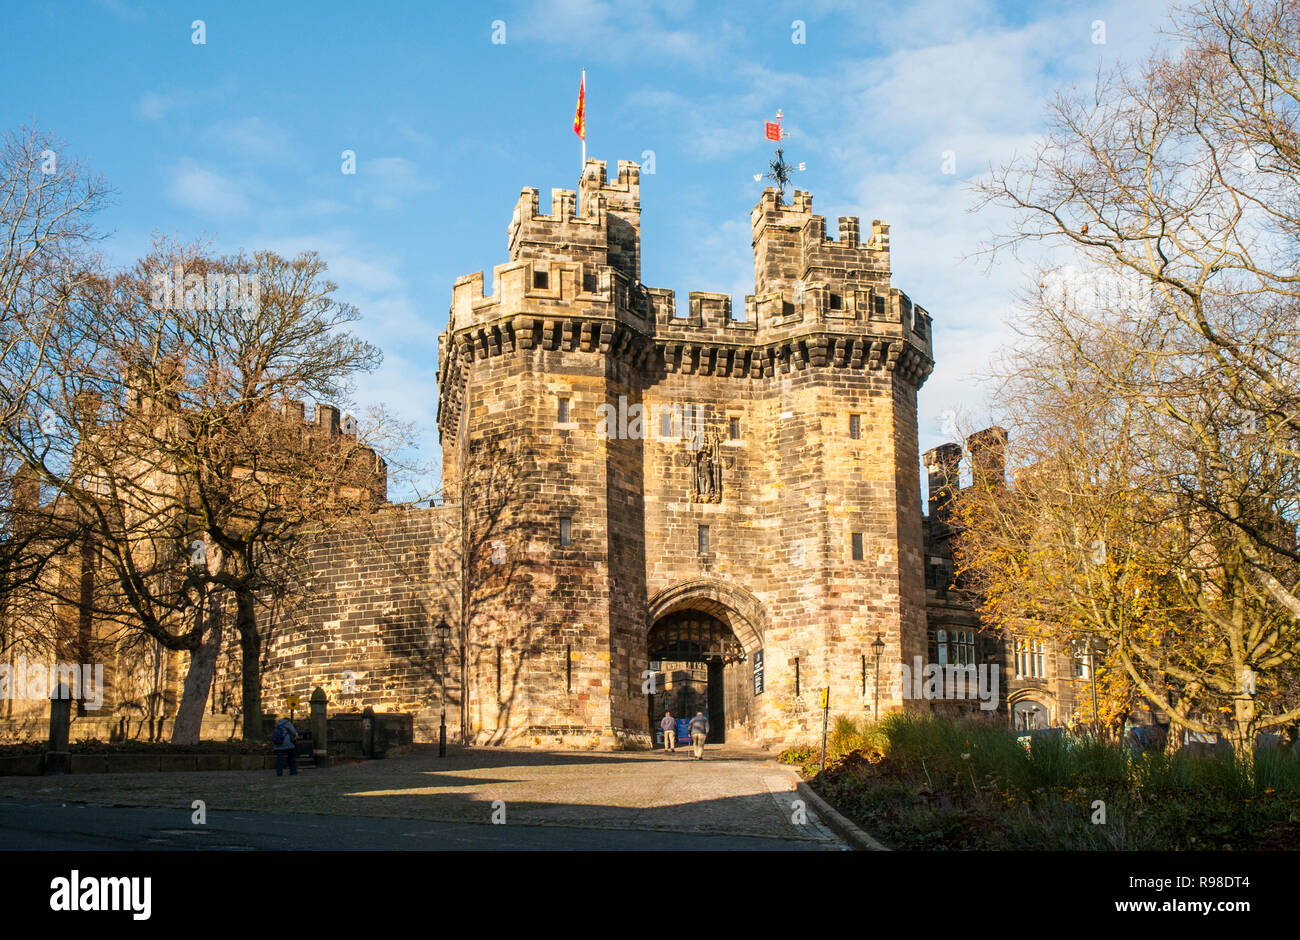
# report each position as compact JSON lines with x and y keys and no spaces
{"x":837,"y":302}
{"x":1082,"y":659}
{"x":857,"y":546}
{"x":666,"y":423}
{"x":563,"y":411}
{"x":787,"y":308}
{"x":704,"y":540}
{"x":956,"y":647}
{"x":1083,"y":665}
{"x":589,"y":283}
{"x":566,"y":531}
{"x":855,"y":426}
{"x":541,"y":280}
{"x":733,"y":428}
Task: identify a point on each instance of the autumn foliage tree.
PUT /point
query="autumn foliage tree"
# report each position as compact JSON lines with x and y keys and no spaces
{"x":1154,"y":397}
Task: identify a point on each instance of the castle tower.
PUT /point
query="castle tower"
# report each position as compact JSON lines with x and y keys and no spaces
{"x":642,"y":486}
{"x":555,"y":572}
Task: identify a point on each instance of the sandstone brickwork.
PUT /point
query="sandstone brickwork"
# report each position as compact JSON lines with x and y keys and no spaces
{"x":569,"y":326}
{"x":630,"y":479}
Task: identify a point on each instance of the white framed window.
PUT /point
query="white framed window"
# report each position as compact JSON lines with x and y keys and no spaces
{"x":1082,"y":660}
{"x":1031,"y":659}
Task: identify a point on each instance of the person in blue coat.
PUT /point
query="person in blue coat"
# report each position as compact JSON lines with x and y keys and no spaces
{"x":284,"y":742}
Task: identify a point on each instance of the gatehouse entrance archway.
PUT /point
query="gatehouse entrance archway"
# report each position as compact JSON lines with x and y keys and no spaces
{"x":693,"y":648}
{"x":700,"y":637}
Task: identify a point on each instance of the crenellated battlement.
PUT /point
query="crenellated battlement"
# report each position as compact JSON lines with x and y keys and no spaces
{"x":573,"y":284}
{"x":792,"y":249}
{"x":325,"y":418}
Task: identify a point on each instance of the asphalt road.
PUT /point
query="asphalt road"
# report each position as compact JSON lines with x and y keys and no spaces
{"x":80,"y":827}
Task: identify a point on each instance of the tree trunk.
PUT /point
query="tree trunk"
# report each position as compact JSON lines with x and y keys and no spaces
{"x":250,"y":648}
{"x":198,"y":680}
{"x":1243,"y":733}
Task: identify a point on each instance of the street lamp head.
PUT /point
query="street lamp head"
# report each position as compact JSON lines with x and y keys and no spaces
{"x":879,"y":644}
{"x":442,"y":627}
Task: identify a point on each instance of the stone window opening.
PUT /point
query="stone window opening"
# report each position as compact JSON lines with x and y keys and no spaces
{"x":956,"y":648}
{"x":541,"y":280}
{"x":836,"y":302}
{"x":855,"y":426}
{"x":562,"y":412}
{"x":733,"y":429}
{"x":703,"y":537}
{"x":566,"y":531}
{"x":858,"y":550}
{"x":589,"y":283}
{"x":1030,"y":659}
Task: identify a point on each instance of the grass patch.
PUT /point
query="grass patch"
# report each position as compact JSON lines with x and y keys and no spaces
{"x":920,"y":782}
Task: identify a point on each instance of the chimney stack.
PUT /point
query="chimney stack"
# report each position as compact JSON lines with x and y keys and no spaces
{"x":327,"y":417}
{"x":988,"y":456}
{"x":943,"y":467}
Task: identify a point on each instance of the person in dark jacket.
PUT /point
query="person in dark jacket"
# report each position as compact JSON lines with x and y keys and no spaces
{"x":699,"y":728}
{"x":669,"y":726}
{"x":287,"y":746}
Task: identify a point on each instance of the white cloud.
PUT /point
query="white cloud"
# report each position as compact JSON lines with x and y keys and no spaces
{"x":251,"y":137}
{"x":154,"y":105}
{"x":207,"y":192}
{"x":605,"y":31}
{"x":388,"y":182}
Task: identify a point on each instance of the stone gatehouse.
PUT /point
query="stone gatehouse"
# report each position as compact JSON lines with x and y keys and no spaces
{"x":646,"y":503}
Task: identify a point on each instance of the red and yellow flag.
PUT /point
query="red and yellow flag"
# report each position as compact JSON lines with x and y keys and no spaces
{"x":580,"y":116}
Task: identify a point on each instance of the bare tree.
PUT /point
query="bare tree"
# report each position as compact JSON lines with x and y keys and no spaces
{"x":187,"y":462}
{"x":1161,"y":412}
{"x":47,"y":200}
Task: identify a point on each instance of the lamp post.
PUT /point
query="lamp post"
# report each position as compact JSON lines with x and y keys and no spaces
{"x":879,"y":647}
{"x":443,"y":632}
{"x":1092,"y":674}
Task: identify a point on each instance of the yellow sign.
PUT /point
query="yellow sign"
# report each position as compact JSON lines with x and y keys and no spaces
{"x":291,"y":701}
{"x":826,"y":698}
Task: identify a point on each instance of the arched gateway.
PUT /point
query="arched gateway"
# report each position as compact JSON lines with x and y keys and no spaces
{"x":702,"y":634}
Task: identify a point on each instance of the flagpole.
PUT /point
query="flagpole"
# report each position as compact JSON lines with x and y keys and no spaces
{"x":583,"y":168}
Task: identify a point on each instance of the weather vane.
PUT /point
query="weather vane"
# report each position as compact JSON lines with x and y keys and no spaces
{"x":778,"y":171}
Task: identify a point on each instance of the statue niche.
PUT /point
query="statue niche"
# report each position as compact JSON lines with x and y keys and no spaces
{"x":707,"y":486}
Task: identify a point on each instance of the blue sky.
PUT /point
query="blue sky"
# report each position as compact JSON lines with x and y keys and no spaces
{"x":239,"y":139}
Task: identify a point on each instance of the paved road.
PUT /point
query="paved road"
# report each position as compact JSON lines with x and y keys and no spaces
{"x":91,"y":828}
{"x":734,"y":800}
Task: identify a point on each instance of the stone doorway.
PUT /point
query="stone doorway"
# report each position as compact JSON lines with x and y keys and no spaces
{"x":698,"y":657}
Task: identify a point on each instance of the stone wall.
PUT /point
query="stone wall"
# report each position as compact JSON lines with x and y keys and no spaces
{"x":364,"y":631}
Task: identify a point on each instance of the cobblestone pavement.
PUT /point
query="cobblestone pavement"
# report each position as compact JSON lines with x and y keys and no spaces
{"x":732,"y":792}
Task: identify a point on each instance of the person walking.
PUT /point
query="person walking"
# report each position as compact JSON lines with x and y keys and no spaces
{"x":669,"y":725}
{"x":284,"y":742}
{"x":699,"y":728}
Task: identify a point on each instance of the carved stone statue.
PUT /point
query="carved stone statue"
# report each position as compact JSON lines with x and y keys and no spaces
{"x":708,"y":468}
